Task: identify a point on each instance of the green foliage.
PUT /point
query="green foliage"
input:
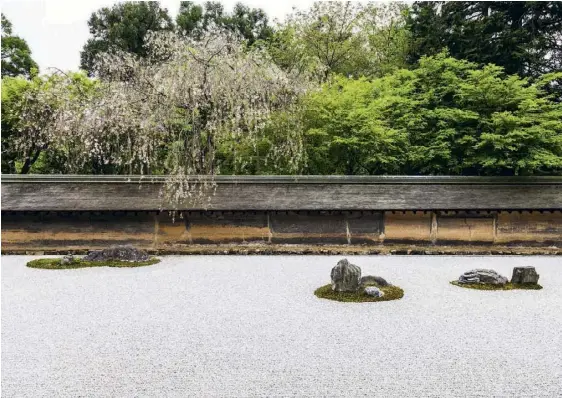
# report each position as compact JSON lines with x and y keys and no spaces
{"x":346,"y":133}
{"x":390,"y":293}
{"x":16,"y":55}
{"x":251,"y":24}
{"x":12,"y":94}
{"x":349,"y":38}
{"x":522,"y":37}
{"x":55,"y":263}
{"x":489,"y":105}
{"x":27,"y":110}
{"x":124,"y":26}
{"x":445,"y":117}
{"x":267,"y":155}
{"x":507,"y":286}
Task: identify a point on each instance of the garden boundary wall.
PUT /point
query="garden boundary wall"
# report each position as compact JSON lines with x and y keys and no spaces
{"x":285,"y":214}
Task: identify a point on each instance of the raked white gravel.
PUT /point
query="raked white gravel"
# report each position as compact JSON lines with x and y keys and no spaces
{"x":250,"y":326}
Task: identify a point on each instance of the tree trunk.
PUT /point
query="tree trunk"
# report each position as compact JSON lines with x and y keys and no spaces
{"x":29,"y":162}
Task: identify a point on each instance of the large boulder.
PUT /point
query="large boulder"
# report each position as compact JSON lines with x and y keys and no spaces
{"x":482,"y":276}
{"x":117,"y":253}
{"x":525,"y":275}
{"x":372,"y":279}
{"x":346,"y":277}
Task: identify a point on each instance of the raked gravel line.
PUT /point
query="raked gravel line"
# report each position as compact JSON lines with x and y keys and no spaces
{"x":235,"y":326}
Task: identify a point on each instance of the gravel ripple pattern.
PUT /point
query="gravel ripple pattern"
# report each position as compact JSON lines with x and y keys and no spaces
{"x":233,"y":326}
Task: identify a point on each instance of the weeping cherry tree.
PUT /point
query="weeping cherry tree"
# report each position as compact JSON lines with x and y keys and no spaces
{"x":168,"y":112}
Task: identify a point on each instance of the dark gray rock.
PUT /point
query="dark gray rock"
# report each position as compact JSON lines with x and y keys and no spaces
{"x":67,"y":260}
{"x":370,"y":279}
{"x":374,"y":291}
{"x":346,"y":277}
{"x":525,"y":275}
{"x":483,"y":276}
{"x":117,"y":253}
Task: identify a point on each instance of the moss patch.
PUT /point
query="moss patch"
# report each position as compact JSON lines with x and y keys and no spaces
{"x":390,"y":293}
{"x":54,"y":263}
{"x":507,"y":286}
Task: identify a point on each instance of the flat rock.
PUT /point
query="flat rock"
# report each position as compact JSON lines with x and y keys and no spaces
{"x":482,"y":276}
{"x":374,"y":291}
{"x":117,"y":253}
{"x":346,"y":277}
{"x":370,"y":279}
{"x":525,"y":275}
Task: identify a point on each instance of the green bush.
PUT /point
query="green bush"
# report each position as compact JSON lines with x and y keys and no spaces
{"x":445,"y":117}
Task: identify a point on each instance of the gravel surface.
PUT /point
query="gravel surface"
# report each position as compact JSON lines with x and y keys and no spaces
{"x":221,"y":326}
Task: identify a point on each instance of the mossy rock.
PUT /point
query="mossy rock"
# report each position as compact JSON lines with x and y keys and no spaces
{"x":507,"y":286}
{"x":390,"y":293}
{"x":55,"y":263}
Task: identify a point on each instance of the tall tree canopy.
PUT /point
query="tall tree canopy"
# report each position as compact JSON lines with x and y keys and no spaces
{"x":522,"y":37}
{"x":252,"y":24}
{"x":16,"y":55}
{"x":343,"y":87}
{"x":349,"y":38}
{"x":123,"y":27}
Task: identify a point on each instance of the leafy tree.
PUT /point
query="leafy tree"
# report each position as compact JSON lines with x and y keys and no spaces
{"x":522,"y":37}
{"x":29,"y":109}
{"x":445,"y":117}
{"x":250,"y":23}
{"x":349,"y":38}
{"x":123,"y":27}
{"x":191,"y":19}
{"x":268,"y":153}
{"x":16,"y":55}
{"x":388,"y":39}
{"x":346,"y":133}
{"x":12,"y":91}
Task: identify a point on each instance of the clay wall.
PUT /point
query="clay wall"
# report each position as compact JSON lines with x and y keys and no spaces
{"x":60,"y":231}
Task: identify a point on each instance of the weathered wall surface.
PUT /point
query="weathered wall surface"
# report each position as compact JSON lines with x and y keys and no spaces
{"x":408,"y":226}
{"x":58,"y":213}
{"x":285,"y":193}
{"x":157,"y":230}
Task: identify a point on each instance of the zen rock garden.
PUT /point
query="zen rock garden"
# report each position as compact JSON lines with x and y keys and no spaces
{"x":488,"y":279}
{"x":349,"y":286}
{"x":114,"y":256}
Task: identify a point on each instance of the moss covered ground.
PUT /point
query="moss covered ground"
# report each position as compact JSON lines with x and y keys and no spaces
{"x":55,"y":263}
{"x":390,"y":293}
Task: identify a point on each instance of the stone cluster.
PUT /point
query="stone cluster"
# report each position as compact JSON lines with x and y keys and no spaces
{"x":117,"y":253}
{"x":521,"y":275}
{"x":346,"y":277}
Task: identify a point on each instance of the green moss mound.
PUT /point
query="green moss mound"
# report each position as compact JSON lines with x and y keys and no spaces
{"x":390,"y":293}
{"x":55,"y":263}
{"x":507,"y":286}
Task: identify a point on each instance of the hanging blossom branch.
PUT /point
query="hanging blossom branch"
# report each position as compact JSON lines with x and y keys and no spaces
{"x":171,"y":110}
